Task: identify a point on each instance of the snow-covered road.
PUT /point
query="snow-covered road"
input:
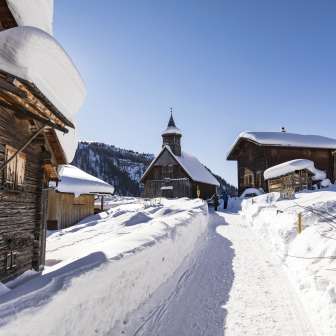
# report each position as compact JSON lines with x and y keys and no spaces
{"x":233,"y":287}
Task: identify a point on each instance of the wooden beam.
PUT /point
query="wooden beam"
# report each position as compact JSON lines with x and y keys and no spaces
{"x":23,"y":147}
{"x":4,"y":85}
{"x":36,"y":102}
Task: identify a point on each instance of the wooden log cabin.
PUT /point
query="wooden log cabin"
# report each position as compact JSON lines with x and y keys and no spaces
{"x":257,"y":151}
{"x":33,"y":119}
{"x":74,"y":197}
{"x":175,"y":173}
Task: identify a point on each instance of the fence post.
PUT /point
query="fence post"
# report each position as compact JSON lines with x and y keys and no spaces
{"x":299,"y":223}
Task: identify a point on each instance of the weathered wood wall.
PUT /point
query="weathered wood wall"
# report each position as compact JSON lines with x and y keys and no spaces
{"x":254,"y":160}
{"x":65,"y":209}
{"x":20,"y":211}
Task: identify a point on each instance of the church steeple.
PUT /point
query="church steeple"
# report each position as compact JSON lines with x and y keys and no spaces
{"x":171,"y":136}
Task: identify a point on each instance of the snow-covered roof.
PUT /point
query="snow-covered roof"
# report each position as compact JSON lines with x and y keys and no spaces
{"x":287,"y":140}
{"x":191,"y":165}
{"x":292,"y":166}
{"x":172,"y":130}
{"x":35,"y":56}
{"x":33,"y":13}
{"x":76,"y":181}
{"x":171,"y":127}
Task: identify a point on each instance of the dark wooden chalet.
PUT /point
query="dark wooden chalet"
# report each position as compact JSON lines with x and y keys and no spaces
{"x":175,"y":173}
{"x":29,"y":154}
{"x":257,"y":151}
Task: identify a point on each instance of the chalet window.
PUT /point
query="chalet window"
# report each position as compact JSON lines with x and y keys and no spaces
{"x":15,"y":169}
{"x":248,"y":178}
{"x":168,"y":171}
{"x":10,"y":260}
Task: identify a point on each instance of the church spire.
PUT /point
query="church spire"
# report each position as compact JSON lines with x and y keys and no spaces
{"x":171,"y":122}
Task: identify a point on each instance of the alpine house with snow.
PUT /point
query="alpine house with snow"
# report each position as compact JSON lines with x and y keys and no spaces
{"x":40,"y":92}
{"x":255,"y":152}
{"x":74,"y":197}
{"x":175,"y":173}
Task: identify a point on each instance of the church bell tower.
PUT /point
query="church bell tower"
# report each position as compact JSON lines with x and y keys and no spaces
{"x":171,"y":136}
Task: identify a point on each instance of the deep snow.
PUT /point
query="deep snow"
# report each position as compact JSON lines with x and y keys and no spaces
{"x":102,"y":269}
{"x":308,"y":257}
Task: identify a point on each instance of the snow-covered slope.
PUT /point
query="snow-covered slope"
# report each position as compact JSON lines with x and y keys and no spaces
{"x":104,"y":268}
{"x":309,"y":257}
{"x":120,"y":167}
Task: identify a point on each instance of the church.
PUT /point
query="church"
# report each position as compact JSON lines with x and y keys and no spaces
{"x":175,"y":173}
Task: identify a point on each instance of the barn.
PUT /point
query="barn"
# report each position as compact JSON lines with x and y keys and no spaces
{"x":74,"y":197}
{"x":36,"y":124}
{"x":175,"y":173}
{"x":257,"y":151}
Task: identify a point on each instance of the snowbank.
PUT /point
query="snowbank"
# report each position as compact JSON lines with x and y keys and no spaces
{"x":292,"y":166}
{"x":102,"y":269}
{"x":34,"y":13}
{"x":309,"y":257}
{"x":76,"y":181}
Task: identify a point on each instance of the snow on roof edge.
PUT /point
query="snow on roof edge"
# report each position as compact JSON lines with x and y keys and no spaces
{"x":214,"y":182}
{"x":76,"y":181}
{"x":296,"y":140}
{"x":292,"y":166}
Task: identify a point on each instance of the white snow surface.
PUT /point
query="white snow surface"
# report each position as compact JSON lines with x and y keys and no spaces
{"x":104,"y":268}
{"x":76,"y":181}
{"x":33,"y":13}
{"x":248,"y":191}
{"x":193,"y":167}
{"x":309,"y":257}
{"x":292,"y":166}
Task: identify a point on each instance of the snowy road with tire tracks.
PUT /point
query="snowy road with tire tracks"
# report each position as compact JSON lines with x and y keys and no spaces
{"x":233,"y":287}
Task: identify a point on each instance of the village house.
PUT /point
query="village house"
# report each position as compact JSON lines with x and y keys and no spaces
{"x":74,"y":197}
{"x":257,"y":151}
{"x":40,"y":91}
{"x":175,"y":173}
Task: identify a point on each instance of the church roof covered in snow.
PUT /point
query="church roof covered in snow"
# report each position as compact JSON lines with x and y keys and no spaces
{"x":32,"y":55}
{"x":191,"y":165}
{"x":75,"y":181}
{"x":33,"y":13}
{"x":285,"y":139}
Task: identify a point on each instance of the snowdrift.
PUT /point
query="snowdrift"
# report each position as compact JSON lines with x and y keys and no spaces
{"x":104,"y":268}
{"x":309,"y":257}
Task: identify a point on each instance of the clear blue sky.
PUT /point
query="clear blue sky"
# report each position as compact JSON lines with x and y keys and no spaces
{"x":225,"y":66}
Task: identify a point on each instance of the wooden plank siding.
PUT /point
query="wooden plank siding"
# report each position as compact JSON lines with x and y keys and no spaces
{"x":253,"y":160}
{"x":64,"y":209}
{"x":20,"y":211}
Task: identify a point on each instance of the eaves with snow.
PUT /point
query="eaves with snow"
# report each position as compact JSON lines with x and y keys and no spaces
{"x":191,"y":165}
{"x":29,"y":52}
{"x":75,"y":181}
{"x":292,"y":166}
{"x":284,"y":139}
{"x":33,"y":13}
